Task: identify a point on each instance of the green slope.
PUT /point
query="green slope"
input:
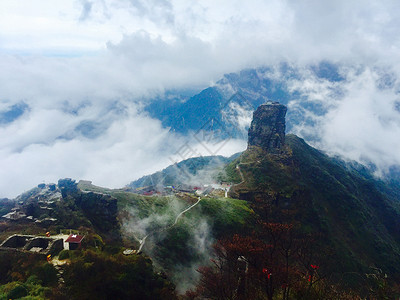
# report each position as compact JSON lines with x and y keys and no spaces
{"x":354,"y":213}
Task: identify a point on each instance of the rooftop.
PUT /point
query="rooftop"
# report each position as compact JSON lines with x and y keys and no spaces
{"x":74,"y":238}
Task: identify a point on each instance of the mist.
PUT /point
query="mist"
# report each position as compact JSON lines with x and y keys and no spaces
{"x":357,"y":117}
{"x":81,"y":73}
{"x":191,"y":234}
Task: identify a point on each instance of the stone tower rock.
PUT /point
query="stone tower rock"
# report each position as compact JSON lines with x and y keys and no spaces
{"x":267,"y":129}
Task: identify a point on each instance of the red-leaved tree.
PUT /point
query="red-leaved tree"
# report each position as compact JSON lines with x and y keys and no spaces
{"x":274,"y":259}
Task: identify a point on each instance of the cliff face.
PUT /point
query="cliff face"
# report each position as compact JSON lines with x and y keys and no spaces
{"x":100,"y":209}
{"x":267,"y":129}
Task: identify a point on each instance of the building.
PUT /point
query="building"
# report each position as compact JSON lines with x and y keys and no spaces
{"x":33,"y":244}
{"x":14,"y":215}
{"x":74,"y":241}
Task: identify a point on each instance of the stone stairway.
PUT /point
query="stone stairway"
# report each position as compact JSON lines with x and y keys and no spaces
{"x":60,"y":271}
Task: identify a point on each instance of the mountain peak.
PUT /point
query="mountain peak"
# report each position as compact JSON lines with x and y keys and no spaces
{"x":267,"y":129}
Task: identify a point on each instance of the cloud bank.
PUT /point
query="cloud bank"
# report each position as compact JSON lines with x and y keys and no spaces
{"x":74,"y":77}
{"x":362,"y":121}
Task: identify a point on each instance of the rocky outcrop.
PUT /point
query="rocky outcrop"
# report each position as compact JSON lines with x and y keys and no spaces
{"x":100,"y":209}
{"x":68,"y":187}
{"x":267,"y":129}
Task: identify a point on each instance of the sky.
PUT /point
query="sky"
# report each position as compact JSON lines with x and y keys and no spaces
{"x":78,"y":74}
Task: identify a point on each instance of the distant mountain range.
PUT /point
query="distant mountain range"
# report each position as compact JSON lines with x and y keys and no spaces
{"x":232,"y":100}
{"x":226,"y":108}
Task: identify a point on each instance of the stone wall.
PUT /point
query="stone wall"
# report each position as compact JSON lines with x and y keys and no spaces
{"x":26,"y":243}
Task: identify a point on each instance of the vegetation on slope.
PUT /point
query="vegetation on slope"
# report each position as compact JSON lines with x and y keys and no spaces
{"x":298,"y":201}
{"x":359,"y":223}
{"x":98,"y":271}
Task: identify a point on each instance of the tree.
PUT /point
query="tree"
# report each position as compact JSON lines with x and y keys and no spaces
{"x":275,"y":258}
{"x":97,"y":275}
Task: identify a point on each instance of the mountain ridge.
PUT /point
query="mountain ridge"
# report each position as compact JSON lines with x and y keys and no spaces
{"x":338,"y":210}
{"x":358,"y":213}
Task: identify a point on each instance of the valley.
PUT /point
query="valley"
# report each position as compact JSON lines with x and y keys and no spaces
{"x":281,"y":209}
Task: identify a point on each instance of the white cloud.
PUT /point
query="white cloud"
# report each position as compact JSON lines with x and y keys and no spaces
{"x":365,"y":125}
{"x":44,"y":145}
{"x":131,"y":146}
{"x":360,"y":122}
{"x":84,"y":68}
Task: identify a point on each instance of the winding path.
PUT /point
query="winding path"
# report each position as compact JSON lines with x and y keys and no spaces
{"x":142,"y":241}
{"x":240,"y":172}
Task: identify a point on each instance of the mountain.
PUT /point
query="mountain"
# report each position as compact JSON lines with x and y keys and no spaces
{"x":352,"y":217}
{"x":232,"y":100}
{"x":312,"y":92}
{"x":64,"y":205}
{"x":177,"y":229}
{"x":358,"y":215}
{"x":98,"y":269}
{"x":195,"y":171}
{"x":280,"y":218}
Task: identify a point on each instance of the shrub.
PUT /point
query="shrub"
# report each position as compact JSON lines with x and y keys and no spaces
{"x":17,"y":292}
{"x":64,"y":254}
{"x":33,"y":279}
{"x":47,"y":274}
